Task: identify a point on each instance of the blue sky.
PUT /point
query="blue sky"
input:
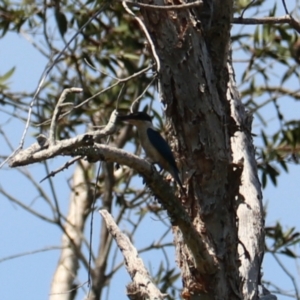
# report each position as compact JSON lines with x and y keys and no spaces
{"x":29,"y":277}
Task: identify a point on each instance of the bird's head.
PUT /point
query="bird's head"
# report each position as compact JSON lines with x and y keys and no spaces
{"x":136,"y":118}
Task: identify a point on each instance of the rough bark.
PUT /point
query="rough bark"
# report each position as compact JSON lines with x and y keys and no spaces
{"x":195,"y":86}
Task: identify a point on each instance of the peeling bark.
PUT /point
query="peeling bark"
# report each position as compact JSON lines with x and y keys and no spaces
{"x":249,"y":199}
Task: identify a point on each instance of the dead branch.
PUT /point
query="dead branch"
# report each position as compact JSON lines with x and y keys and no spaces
{"x":142,"y":283}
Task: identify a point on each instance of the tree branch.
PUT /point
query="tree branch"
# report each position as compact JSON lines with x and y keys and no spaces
{"x":166,"y":7}
{"x":57,"y":110}
{"x":287,"y":19}
{"x":204,"y":261}
{"x":142,"y":284}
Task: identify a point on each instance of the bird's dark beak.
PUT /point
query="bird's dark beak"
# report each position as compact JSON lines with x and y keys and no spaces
{"x":125,"y":118}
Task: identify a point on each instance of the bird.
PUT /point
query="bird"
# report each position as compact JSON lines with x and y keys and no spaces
{"x":155,"y":146}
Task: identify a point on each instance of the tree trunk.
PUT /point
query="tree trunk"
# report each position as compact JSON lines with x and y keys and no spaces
{"x":63,"y":284}
{"x":215,"y":150}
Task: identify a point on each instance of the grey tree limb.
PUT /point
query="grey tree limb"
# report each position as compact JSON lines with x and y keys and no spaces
{"x":142,"y":286}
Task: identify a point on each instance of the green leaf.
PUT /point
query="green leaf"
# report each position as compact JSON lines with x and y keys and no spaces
{"x":288,"y":252}
{"x":265,"y":139}
{"x":62,"y":22}
{"x":7,"y":75}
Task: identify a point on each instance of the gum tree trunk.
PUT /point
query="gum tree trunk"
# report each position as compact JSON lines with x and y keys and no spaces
{"x":215,"y":150}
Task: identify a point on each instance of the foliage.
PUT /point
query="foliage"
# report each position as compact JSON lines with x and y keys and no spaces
{"x":110,"y":49}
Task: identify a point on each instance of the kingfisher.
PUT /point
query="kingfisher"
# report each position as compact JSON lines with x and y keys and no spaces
{"x":155,"y":146}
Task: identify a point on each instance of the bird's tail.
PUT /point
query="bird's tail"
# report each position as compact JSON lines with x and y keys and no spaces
{"x":175,"y":174}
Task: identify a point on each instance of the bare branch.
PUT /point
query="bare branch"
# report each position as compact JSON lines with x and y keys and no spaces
{"x":44,"y":150}
{"x":288,"y":273}
{"x":142,"y":283}
{"x":249,"y":4}
{"x":287,"y":19}
{"x":57,"y":111}
{"x":264,"y":20}
{"x":149,"y":39}
{"x":36,"y":153}
{"x":204,"y":261}
{"x":65,"y":166}
{"x":119,"y":81}
{"x":167,"y":7}
{"x":285,"y":7}
{"x":26,"y":207}
{"x":29,"y":253}
{"x":48,"y":69}
{"x":137,"y":100}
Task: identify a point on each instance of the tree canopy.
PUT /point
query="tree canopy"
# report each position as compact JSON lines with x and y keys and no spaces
{"x":103,"y":49}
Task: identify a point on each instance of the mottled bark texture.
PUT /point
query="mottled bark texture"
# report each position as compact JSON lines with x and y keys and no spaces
{"x":215,"y":151}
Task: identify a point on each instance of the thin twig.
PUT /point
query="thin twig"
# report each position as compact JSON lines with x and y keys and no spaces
{"x":285,"y":8}
{"x":287,"y":19}
{"x":65,"y":166}
{"x":27,"y":208}
{"x":167,"y":7}
{"x":141,"y":95}
{"x":109,"y":128}
{"x":119,"y":96}
{"x":29,"y":253}
{"x":120,"y":80}
{"x":100,"y":71}
{"x":68,"y":292}
{"x":295,"y":24}
{"x":287,"y":272}
{"x":143,"y":27}
{"x":242,"y":14}
{"x":57,"y":110}
{"x":264,"y":20}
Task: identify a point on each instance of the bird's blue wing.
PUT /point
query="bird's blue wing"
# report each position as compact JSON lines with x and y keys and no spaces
{"x":161,"y":146}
